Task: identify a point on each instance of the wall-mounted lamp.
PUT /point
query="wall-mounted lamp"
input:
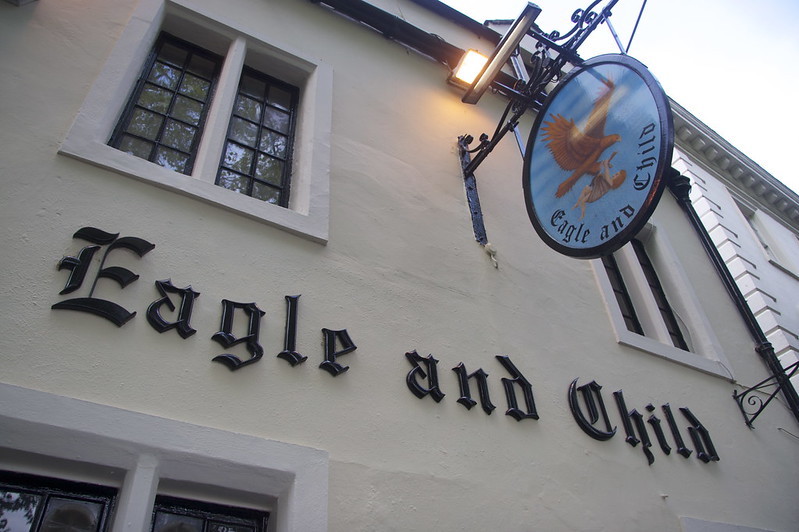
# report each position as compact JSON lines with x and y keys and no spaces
{"x":528,"y":92}
{"x":470,"y":65}
{"x":507,"y":45}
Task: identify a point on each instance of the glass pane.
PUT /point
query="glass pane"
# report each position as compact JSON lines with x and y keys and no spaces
{"x":187,"y":110}
{"x":166,"y":522}
{"x":243,"y":131}
{"x":145,"y":124}
{"x":164,"y":75}
{"x":266,"y":193}
{"x":195,"y":87}
{"x":171,"y":159}
{"x":273,"y":144}
{"x":138,"y":147}
{"x":155,"y":98}
{"x":17,"y":510}
{"x":66,"y":515}
{"x":201,"y":66}
{"x":277,"y":120}
{"x":178,"y":136}
{"x":248,"y":108}
{"x":280,"y":98}
{"x":253,"y":87}
{"x":233,"y":181}
{"x":238,"y":158}
{"x":269,"y":169}
{"x":172,"y":54}
{"x":226,"y":527}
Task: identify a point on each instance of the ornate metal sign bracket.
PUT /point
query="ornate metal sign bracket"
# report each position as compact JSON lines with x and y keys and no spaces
{"x":754,"y":401}
{"x":529,"y":92}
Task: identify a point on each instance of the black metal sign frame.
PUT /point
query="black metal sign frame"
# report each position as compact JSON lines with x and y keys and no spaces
{"x":575,"y":143}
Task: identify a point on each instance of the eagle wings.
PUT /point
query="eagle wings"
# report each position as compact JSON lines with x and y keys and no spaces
{"x":578,"y":151}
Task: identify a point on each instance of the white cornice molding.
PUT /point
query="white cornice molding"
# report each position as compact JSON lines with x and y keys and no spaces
{"x":734,"y":168}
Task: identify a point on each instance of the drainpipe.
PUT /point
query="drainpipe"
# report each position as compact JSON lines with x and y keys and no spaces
{"x":680,"y":186}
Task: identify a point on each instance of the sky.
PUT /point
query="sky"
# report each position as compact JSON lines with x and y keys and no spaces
{"x":731,"y":63}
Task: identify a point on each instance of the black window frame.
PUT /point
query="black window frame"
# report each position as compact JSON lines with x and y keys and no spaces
{"x":210,"y":512}
{"x":666,"y":310}
{"x":49,"y":488}
{"x":623,"y":299}
{"x":284,"y":188}
{"x":121,"y":131}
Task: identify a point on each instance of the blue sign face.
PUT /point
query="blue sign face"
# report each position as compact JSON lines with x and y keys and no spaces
{"x":596,"y":156}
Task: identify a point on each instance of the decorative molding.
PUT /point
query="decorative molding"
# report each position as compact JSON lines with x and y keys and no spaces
{"x":735,"y":169}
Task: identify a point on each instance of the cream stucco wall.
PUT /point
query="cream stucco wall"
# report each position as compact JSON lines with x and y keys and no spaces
{"x":400,"y":271}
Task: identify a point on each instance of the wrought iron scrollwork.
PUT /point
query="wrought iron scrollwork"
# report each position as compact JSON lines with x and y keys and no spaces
{"x":580,"y":18}
{"x":543,"y":68}
{"x":752,"y":404}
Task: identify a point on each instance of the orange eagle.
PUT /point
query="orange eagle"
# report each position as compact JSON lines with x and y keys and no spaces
{"x":579,"y":151}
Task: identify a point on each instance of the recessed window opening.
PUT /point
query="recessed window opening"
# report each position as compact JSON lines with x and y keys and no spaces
{"x":166,"y":114}
{"x":172,"y":514}
{"x":31,"y":503}
{"x":257,"y":157}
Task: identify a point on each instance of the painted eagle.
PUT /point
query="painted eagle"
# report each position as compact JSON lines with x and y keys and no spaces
{"x":579,"y":151}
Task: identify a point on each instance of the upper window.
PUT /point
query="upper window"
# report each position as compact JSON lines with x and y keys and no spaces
{"x":166,"y":113}
{"x":164,"y":120}
{"x":652,"y":306}
{"x":217,"y":108}
{"x":31,"y":503}
{"x":257,"y":156}
{"x":640,"y":296}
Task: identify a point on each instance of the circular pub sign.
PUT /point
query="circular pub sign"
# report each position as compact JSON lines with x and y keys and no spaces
{"x":596,"y":158}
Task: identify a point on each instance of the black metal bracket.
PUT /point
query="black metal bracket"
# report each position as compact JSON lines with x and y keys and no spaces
{"x":756,"y":403}
{"x":526,"y":95}
{"x":543,"y":69}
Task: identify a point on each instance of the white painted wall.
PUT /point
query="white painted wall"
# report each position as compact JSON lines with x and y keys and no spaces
{"x":401,"y":271}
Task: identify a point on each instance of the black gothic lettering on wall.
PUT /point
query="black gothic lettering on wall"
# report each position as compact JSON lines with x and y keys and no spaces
{"x":634,"y":425}
{"x":431,"y":375}
{"x":226,"y":338}
{"x":527,"y":391}
{"x":187,"y":297}
{"x":289,"y":353}
{"x":591,"y":397}
{"x":638,"y":419}
{"x":79,"y":267}
{"x":482,"y":388}
{"x":331,"y":337}
{"x":661,"y":436}
{"x":705,"y":450}
{"x":675,"y":432}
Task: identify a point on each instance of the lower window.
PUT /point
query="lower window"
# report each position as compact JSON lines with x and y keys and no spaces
{"x":30,"y":503}
{"x":171,"y":514}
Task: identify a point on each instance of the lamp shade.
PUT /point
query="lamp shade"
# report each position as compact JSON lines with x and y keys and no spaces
{"x":502,"y":53}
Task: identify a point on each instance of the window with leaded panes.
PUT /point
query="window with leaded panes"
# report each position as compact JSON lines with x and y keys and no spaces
{"x":30,"y":503}
{"x":171,"y":514}
{"x":164,"y":118}
{"x":666,"y":311}
{"x":256,"y":160}
{"x":622,"y":295}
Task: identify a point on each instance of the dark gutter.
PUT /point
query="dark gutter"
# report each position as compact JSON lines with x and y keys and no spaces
{"x":429,"y":44}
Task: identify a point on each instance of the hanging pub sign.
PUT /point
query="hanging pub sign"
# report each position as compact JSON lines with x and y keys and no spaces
{"x":596,"y":158}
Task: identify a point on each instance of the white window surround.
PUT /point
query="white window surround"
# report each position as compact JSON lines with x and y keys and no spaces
{"x":308,"y":212}
{"x":780,"y":252}
{"x":706,"y":354}
{"x":290,"y":481}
